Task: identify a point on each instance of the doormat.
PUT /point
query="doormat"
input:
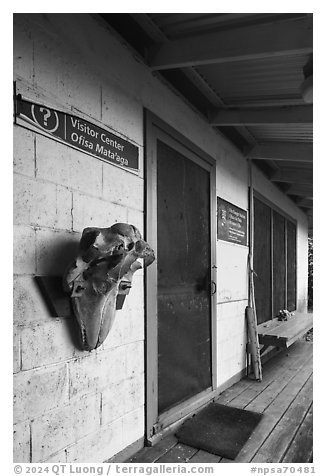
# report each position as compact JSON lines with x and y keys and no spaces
{"x":219,"y":429}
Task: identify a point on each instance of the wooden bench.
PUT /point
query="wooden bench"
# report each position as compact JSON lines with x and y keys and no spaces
{"x":283,"y":333}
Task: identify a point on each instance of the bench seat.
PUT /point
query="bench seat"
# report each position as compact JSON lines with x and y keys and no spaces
{"x":284,"y":333}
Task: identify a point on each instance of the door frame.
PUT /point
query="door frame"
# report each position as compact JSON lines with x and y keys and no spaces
{"x":155,"y":128}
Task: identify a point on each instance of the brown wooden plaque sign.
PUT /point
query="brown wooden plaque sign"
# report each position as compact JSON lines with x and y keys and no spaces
{"x":231,"y":223}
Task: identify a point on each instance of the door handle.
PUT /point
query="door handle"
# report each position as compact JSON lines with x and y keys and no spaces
{"x":213,"y":288}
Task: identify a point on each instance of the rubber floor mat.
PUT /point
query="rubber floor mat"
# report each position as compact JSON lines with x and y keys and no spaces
{"x":219,"y":429}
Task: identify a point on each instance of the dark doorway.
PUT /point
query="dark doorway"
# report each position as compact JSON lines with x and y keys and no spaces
{"x":181,"y":298}
{"x":262,"y":261}
{"x":184,"y":275}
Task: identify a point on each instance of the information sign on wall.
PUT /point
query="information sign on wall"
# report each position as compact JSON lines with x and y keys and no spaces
{"x":77,"y":133}
{"x":231,"y":223}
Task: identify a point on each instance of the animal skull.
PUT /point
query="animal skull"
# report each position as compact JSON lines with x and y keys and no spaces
{"x":106,"y":256}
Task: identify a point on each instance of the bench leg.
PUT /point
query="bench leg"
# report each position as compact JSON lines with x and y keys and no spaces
{"x":264,"y":348}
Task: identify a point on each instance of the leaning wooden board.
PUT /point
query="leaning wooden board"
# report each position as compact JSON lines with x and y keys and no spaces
{"x":284,"y":333}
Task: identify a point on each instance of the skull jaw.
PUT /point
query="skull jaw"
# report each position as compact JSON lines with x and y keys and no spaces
{"x":95,"y":315}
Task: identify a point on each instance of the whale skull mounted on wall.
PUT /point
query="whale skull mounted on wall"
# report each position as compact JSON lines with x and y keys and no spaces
{"x":106,"y":257}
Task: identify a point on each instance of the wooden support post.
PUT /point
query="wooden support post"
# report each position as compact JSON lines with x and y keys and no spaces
{"x":251,"y":308}
{"x":254,"y":343}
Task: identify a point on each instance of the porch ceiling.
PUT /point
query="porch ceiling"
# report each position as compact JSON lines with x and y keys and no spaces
{"x":244,"y":73}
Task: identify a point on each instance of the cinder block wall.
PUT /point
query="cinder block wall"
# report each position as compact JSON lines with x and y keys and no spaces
{"x":232,"y":289}
{"x":72,"y":405}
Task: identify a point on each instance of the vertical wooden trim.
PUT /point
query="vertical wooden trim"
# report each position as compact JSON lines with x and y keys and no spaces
{"x":248,"y":355}
{"x":213,"y":224}
{"x":251,"y":298}
{"x":272,"y":260}
{"x":296,"y":267}
{"x":151,"y":281}
{"x":251,"y":315}
{"x":286,"y":263}
{"x":249,"y":237}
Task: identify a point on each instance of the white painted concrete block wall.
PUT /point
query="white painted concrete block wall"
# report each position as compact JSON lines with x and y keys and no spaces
{"x":71,"y":405}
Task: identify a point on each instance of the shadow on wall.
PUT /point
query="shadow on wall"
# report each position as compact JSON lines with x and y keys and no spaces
{"x":55,"y":252}
{"x":56,"y":255}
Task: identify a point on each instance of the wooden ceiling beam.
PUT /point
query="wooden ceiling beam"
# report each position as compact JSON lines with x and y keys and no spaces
{"x":193,"y":76}
{"x":238,"y":44}
{"x":262,"y":116}
{"x":182,"y":24}
{"x":305,"y":202}
{"x":149,"y":26}
{"x":293,"y":175}
{"x":291,"y":151}
{"x":305,"y":191}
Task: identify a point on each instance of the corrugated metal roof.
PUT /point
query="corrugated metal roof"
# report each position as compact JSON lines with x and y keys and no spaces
{"x":180,"y":25}
{"x":283,"y":132}
{"x":246,"y":77}
{"x":274,"y":80}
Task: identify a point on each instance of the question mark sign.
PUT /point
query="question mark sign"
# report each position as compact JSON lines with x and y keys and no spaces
{"x":47,"y":114}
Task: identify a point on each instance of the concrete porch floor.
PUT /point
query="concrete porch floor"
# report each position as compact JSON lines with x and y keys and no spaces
{"x":285,"y":432}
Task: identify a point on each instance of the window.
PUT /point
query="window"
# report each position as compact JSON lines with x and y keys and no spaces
{"x":274,"y":260}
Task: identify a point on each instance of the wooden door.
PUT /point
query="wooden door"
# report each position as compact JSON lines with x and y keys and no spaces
{"x":184,"y":277}
{"x":181,"y":352}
